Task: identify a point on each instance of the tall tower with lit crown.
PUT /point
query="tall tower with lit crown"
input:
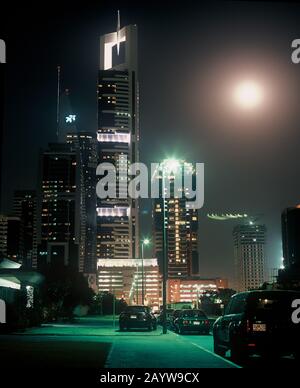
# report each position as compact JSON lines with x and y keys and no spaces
{"x":180,"y":221}
{"x":118,"y":140}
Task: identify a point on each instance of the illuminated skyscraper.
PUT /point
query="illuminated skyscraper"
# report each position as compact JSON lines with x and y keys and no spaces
{"x":118,"y":140}
{"x":290,"y":222}
{"x":25,"y":207}
{"x":85,"y":145}
{"x":181,"y":223}
{"x":11,"y":238}
{"x":2,"y":95}
{"x":58,"y":208}
{"x":249,"y":255}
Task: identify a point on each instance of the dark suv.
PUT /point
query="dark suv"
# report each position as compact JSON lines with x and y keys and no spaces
{"x":258,"y":322}
{"x":136,"y":317}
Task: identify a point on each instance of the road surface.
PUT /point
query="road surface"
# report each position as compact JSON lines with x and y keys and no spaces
{"x":97,"y":343}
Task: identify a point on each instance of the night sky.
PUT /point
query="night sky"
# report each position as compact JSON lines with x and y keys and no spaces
{"x":190,"y":57}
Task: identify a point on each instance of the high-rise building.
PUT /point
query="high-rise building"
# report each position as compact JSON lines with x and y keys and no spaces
{"x":2,"y":95}
{"x":11,"y":238}
{"x":181,"y":223}
{"x":85,"y":144}
{"x":25,"y":207}
{"x":290,"y":223}
{"x":118,"y":141}
{"x":249,"y":255}
{"x":58,"y":207}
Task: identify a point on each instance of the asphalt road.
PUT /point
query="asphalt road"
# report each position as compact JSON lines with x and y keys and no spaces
{"x":97,"y":343}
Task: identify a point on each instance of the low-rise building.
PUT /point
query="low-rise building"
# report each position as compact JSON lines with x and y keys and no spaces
{"x":124,"y":279}
{"x":190,"y":290}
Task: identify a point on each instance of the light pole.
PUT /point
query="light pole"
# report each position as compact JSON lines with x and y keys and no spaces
{"x":137,"y":282}
{"x":197,"y":304}
{"x":165,"y":268}
{"x":146,"y":242}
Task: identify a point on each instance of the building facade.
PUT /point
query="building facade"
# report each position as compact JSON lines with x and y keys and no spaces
{"x":290,"y":224}
{"x":2,"y":100}
{"x":125,"y":279}
{"x":118,"y":142}
{"x":191,"y":290}
{"x":11,"y":238}
{"x":181,"y":222}
{"x":85,"y":145}
{"x":249,"y":255}
{"x":25,"y":207}
{"x":58,"y":208}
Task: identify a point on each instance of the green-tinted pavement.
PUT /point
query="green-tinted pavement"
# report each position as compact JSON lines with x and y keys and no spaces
{"x":96,"y":342}
{"x":164,"y":351}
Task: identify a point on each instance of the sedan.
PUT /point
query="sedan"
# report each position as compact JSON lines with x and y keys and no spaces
{"x":192,"y":321}
{"x":137,"y":317}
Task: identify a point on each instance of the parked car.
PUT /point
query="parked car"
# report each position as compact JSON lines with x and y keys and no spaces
{"x":136,"y":317}
{"x":192,"y":321}
{"x":258,"y":322}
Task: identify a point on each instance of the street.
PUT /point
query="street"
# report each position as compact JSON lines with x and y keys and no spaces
{"x":95,"y":342}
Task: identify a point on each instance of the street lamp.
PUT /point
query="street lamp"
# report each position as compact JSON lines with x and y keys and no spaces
{"x":145,"y":242}
{"x":198,"y":289}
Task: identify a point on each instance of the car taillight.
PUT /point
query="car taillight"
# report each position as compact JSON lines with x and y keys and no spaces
{"x":185,"y":322}
{"x":207,"y":322}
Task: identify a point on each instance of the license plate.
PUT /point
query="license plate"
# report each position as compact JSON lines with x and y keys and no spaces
{"x":133,"y":316}
{"x":259,"y":327}
{"x":196,"y":323}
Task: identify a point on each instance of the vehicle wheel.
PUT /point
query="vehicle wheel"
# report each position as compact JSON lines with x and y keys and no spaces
{"x":238,"y":354}
{"x":150,"y":327}
{"x":218,"y":349}
{"x":155,"y":327}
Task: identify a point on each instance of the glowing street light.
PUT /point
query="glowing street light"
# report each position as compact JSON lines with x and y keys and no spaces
{"x":145,"y":242}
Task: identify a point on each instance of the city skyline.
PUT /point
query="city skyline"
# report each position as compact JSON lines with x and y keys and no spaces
{"x":149,"y":189}
{"x":165,"y":133}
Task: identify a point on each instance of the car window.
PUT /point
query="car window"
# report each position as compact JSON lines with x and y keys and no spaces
{"x":193,"y":313}
{"x":228,"y":307}
{"x":238,"y":305}
{"x":137,"y":309}
{"x":271,"y":306}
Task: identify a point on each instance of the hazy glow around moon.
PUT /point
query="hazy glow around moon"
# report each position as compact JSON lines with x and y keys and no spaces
{"x":248,"y":95}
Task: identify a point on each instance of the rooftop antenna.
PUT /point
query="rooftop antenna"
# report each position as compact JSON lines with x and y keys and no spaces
{"x":118,"y":32}
{"x":58,"y":102}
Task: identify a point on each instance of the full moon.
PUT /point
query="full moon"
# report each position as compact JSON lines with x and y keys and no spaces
{"x":248,"y":95}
